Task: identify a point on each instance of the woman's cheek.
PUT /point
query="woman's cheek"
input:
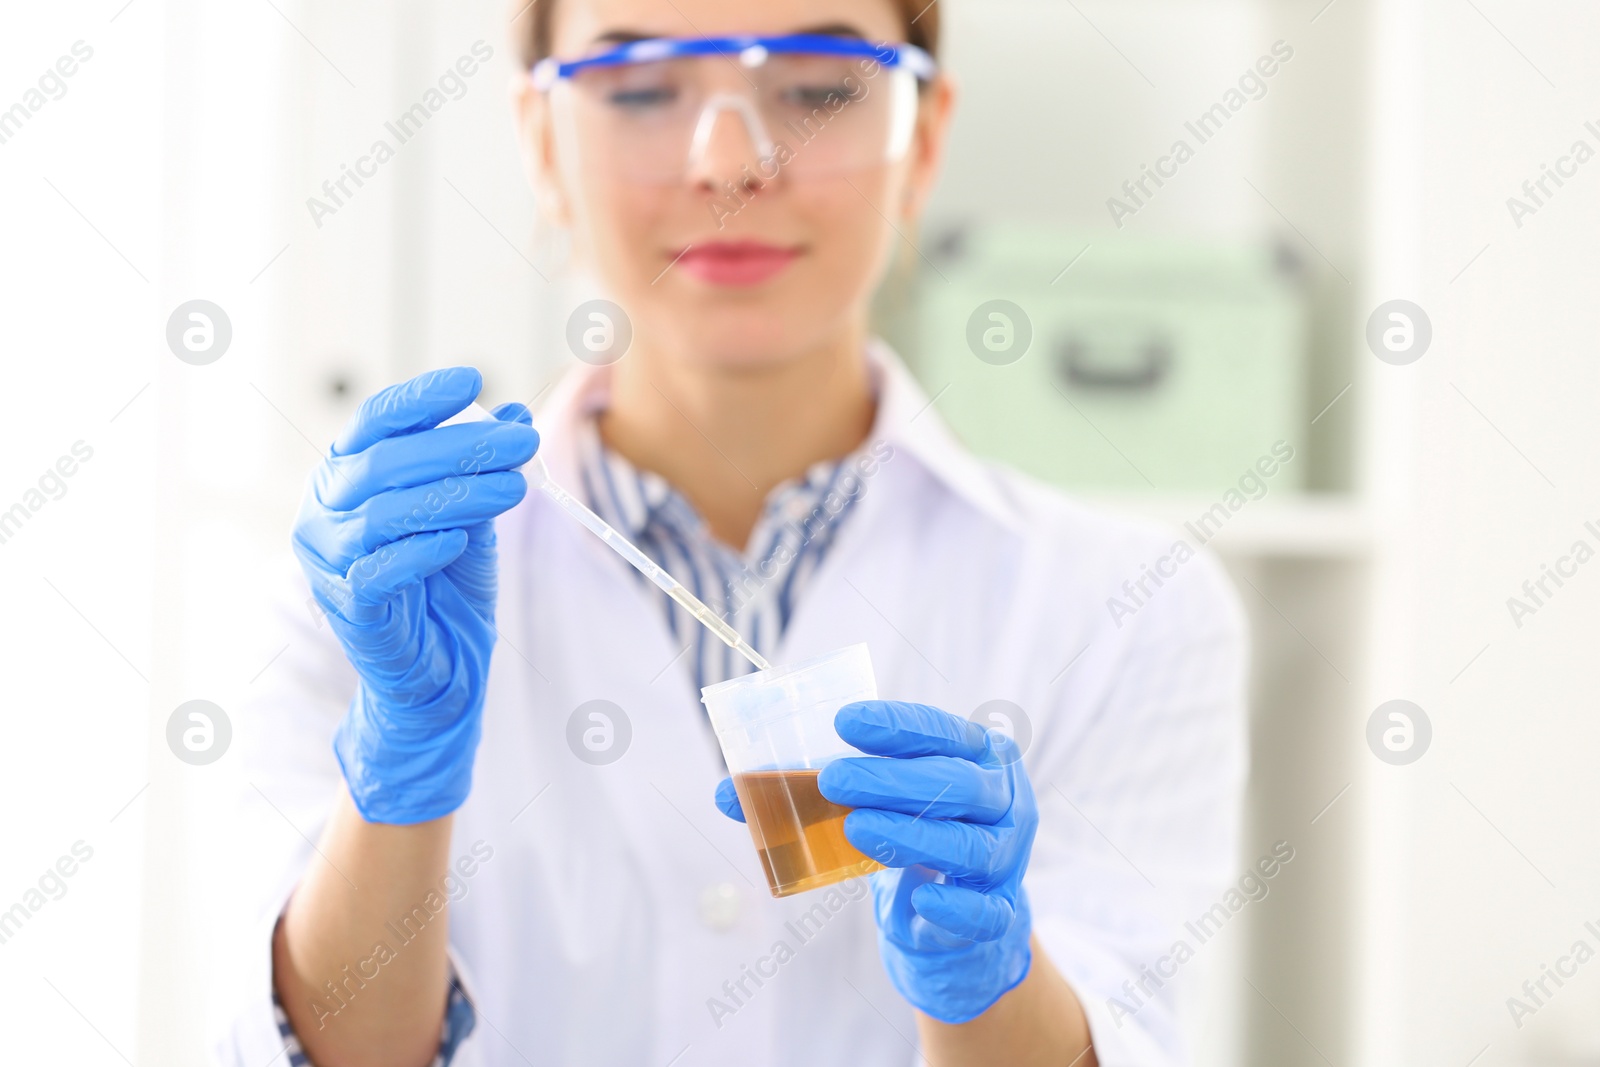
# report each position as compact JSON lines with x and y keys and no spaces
{"x":618,"y":229}
{"x":851,"y":241}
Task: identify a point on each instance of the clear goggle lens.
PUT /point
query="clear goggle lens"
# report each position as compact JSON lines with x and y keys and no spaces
{"x":805,"y":115}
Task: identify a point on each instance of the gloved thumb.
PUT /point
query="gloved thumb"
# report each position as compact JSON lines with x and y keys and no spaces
{"x":728,"y":800}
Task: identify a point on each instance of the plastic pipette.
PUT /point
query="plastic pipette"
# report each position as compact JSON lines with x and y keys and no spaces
{"x":624,"y":548}
{"x":539,"y":478}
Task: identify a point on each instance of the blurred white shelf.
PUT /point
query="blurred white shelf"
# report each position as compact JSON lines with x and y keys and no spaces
{"x":1329,"y":526}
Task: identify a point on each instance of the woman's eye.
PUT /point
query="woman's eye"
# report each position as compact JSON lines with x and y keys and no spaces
{"x":641,"y":99}
{"x":814,"y":96}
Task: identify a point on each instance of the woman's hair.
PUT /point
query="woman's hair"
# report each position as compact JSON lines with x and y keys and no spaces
{"x":533,"y":39}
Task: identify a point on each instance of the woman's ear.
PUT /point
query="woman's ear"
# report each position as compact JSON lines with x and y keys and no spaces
{"x":536,"y":140}
{"x":937,"y":107}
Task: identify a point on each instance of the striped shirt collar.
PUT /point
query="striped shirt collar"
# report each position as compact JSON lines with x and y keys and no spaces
{"x":755,"y":588}
{"x":906,"y":418}
{"x":632,"y":498}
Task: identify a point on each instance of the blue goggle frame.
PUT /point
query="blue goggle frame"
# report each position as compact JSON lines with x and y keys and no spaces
{"x":750,"y":51}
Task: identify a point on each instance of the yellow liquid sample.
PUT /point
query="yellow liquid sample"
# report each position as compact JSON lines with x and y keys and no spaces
{"x":799,"y":834}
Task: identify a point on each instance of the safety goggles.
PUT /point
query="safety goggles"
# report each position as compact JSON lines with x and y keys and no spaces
{"x":811,"y":105}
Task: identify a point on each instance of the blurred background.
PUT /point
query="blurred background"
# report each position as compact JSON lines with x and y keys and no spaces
{"x":1159,"y":336}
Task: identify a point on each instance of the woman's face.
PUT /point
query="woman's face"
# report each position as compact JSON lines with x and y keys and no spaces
{"x":786,"y":272}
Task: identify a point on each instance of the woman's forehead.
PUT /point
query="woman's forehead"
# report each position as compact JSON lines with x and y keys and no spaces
{"x":579,"y":25}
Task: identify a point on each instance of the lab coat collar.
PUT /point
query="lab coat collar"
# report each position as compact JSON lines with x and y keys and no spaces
{"x":906,"y":419}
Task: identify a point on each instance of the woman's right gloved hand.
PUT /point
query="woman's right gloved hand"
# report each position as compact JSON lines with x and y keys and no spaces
{"x":396,"y":534}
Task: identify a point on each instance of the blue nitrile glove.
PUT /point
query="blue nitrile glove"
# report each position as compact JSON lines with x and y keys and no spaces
{"x":396,"y":534}
{"x":953,"y":815}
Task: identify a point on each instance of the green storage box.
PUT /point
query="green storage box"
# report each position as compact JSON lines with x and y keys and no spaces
{"x":1147,"y":365}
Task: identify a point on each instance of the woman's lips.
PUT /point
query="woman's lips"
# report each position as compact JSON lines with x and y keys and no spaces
{"x":736,"y":262}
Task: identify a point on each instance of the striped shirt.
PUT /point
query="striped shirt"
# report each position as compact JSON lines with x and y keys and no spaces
{"x":459,"y":1020}
{"x":755,"y":590}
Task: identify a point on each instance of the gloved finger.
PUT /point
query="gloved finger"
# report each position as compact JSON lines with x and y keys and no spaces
{"x":419,"y":404}
{"x":513,"y":412}
{"x":452,"y":502}
{"x":964,"y":912}
{"x":387,"y":517}
{"x":478,"y":570}
{"x":936,"y":787}
{"x":960,"y":849}
{"x":344,"y":482}
{"x":728,"y":800}
{"x":328,"y":585}
{"x":896,"y":728}
{"x":376,"y":577}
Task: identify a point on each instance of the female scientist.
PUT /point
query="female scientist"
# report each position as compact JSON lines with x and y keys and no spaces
{"x":525,"y":850}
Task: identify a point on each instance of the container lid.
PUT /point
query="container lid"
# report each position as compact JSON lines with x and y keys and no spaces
{"x":786,"y":690}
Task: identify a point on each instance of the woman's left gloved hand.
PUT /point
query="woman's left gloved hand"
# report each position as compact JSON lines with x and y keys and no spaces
{"x":951,"y":812}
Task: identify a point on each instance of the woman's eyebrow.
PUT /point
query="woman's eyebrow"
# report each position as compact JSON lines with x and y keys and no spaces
{"x":830,"y":29}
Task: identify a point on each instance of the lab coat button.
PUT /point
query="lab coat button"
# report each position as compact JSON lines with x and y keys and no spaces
{"x":719,"y":906}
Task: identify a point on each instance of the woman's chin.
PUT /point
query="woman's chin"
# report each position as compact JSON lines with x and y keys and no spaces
{"x":749,"y":342}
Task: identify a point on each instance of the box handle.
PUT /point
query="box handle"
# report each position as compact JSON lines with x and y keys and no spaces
{"x":1143,"y":373}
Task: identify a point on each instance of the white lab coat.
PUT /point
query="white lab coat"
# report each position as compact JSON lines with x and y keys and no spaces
{"x":617,"y":904}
